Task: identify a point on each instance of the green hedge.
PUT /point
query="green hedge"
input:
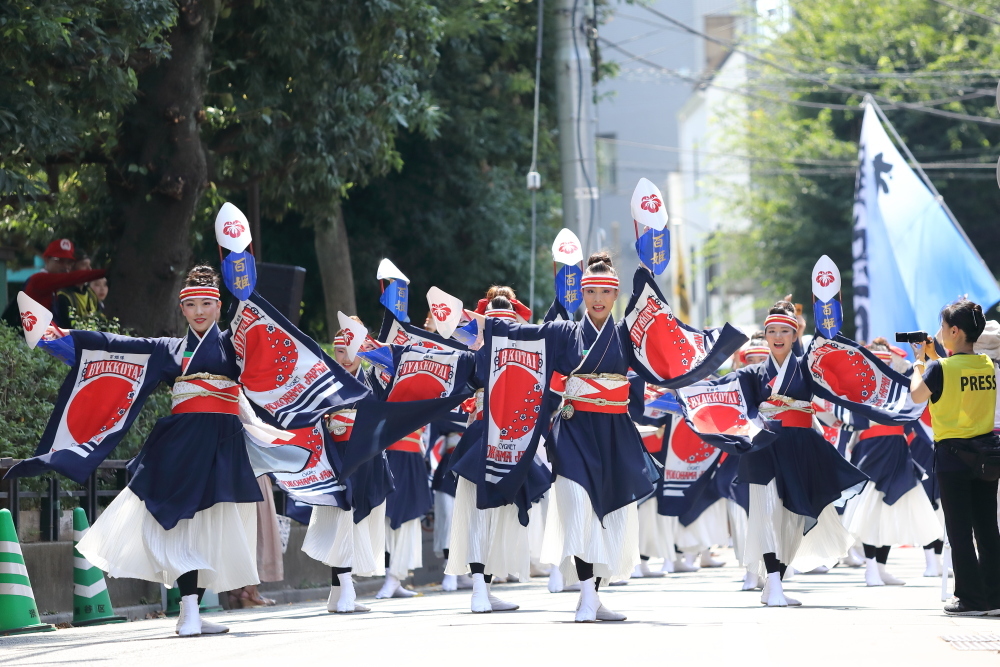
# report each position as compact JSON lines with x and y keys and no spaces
{"x":29,"y":385}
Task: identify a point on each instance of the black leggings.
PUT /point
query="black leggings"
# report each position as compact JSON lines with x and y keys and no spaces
{"x":772,"y":564}
{"x":936,"y":545}
{"x":585,"y":570}
{"x":480,"y":568}
{"x":188,"y":585}
{"x":336,"y":572}
{"x":880,"y":554}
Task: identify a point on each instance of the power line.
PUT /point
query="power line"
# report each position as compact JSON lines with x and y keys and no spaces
{"x":970,"y":12}
{"x":817,"y":79}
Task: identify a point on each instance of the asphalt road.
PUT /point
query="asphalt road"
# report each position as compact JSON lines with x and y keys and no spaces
{"x":682,"y":618}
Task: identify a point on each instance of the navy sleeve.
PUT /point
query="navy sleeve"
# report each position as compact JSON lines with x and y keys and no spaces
{"x":934,"y":379}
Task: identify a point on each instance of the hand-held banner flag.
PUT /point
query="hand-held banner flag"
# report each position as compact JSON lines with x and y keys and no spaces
{"x":396,"y":296}
{"x":35,"y":319}
{"x":518,"y":373}
{"x":722,"y":414}
{"x":426,"y":385}
{"x":851,"y":376}
{"x":446,"y":311}
{"x":286,"y":372}
{"x":110,"y":380}
{"x":666,"y":351}
{"x":827,"y":310}
{"x":910,"y":258}
{"x":567,"y":256}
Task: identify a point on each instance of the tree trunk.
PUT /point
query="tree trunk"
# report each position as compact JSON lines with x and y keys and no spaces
{"x":158,"y":175}
{"x":334,"y":255}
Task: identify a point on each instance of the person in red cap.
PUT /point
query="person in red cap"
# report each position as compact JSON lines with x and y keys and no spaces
{"x":59,"y":257}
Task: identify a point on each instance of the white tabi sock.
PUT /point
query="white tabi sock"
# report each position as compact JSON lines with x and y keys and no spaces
{"x":887,"y":578}
{"x":189,"y":620}
{"x":496,"y":604}
{"x":555,"y":580}
{"x":480,"y":595}
{"x":347,"y":603}
{"x":449,"y":582}
{"x":749,"y":581}
{"x":933,"y":563}
{"x":873,"y":576}
{"x":586,"y":609}
{"x":708,"y":561}
{"x":774,"y":593}
{"x":389,"y":588}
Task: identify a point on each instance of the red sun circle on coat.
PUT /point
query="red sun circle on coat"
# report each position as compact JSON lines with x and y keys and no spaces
{"x":98,"y":406}
{"x":515,"y":402}
{"x":417,"y":387}
{"x":848,"y":374}
{"x":270,"y":359}
{"x":668,"y":350}
{"x":688,"y":447}
{"x":721,"y":419}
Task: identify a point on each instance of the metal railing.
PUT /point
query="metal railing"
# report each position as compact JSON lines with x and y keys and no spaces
{"x":11,"y":496}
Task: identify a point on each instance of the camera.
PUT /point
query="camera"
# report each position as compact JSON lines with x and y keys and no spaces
{"x":912,"y":337}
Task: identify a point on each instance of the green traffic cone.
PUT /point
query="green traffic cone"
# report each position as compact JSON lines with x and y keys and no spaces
{"x":18,"y":612}
{"x":91,"y":602}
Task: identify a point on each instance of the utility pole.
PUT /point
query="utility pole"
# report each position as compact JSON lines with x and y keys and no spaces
{"x":577,"y":119}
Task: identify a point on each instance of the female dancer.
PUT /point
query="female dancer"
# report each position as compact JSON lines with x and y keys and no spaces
{"x":798,"y":480}
{"x":490,"y":542}
{"x":597,"y":455}
{"x":350,"y":537}
{"x":894,"y":508}
{"x":188,"y":514}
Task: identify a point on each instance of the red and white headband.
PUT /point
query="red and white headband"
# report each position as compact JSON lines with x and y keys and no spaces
{"x":756,"y":351}
{"x":883,"y":355}
{"x":786,"y":320}
{"x":502,"y":313}
{"x":339,"y":341}
{"x":200,"y":292}
{"x":599,"y":280}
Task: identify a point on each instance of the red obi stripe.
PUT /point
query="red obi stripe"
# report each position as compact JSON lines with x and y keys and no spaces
{"x":210,"y":403}
{"x":411,"y":444}
{"x":558,"y":383}
{"x":617,"y":394}
{"x":879,"y":430}
{"x":794,"y":419}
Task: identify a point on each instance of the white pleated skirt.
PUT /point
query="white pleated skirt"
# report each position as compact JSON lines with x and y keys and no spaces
{"x":219,"y":542}
{"x":737,"y":527}
{"x":574,"y":531}
{"x":773,"y":529}
{"x":493,"y":537}
{"x":444,"y":506}
{"x":708,"y":530}
{"x":536,"y":528}
{"x":405,"y":547}
{"x":335,"y":540}
{"x":910,"y":520}
{"x":656,"y":532}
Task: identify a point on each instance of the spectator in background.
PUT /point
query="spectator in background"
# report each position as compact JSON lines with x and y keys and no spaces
{"x":100,"y":287}
{"x":76,"y":302}
{"x":59,"y":259}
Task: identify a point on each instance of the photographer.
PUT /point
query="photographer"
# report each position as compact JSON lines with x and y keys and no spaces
{"x":962,"y":394}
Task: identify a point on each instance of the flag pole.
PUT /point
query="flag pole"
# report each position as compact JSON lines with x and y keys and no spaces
{"x":927,"y":181}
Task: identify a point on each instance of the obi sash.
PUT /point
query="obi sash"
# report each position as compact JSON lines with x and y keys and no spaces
{"x":340,"y":424}
{"x":603,"y":392}
{"x":790,"y":412}
{"x":413,"y":443}
{"x":878,"y":430}
{"x":204,"y":392}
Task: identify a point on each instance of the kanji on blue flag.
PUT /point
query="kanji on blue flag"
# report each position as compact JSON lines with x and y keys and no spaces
{"x":568,"y":287}
{"x":396,"y":298}
{"x":239,"y":272}
{"x":654,"y":250}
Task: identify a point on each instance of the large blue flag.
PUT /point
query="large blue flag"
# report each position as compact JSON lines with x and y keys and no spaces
{"x":910,"y":259}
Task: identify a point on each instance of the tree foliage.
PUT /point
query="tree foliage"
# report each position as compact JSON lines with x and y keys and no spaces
{"x":803,"y":160}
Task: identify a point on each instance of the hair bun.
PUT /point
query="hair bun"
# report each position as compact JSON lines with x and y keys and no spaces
{"x":599,"y":257}
{"x":202,"y":276}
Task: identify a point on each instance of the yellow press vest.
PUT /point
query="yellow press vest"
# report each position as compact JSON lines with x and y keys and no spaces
{"x":968,"y":398}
